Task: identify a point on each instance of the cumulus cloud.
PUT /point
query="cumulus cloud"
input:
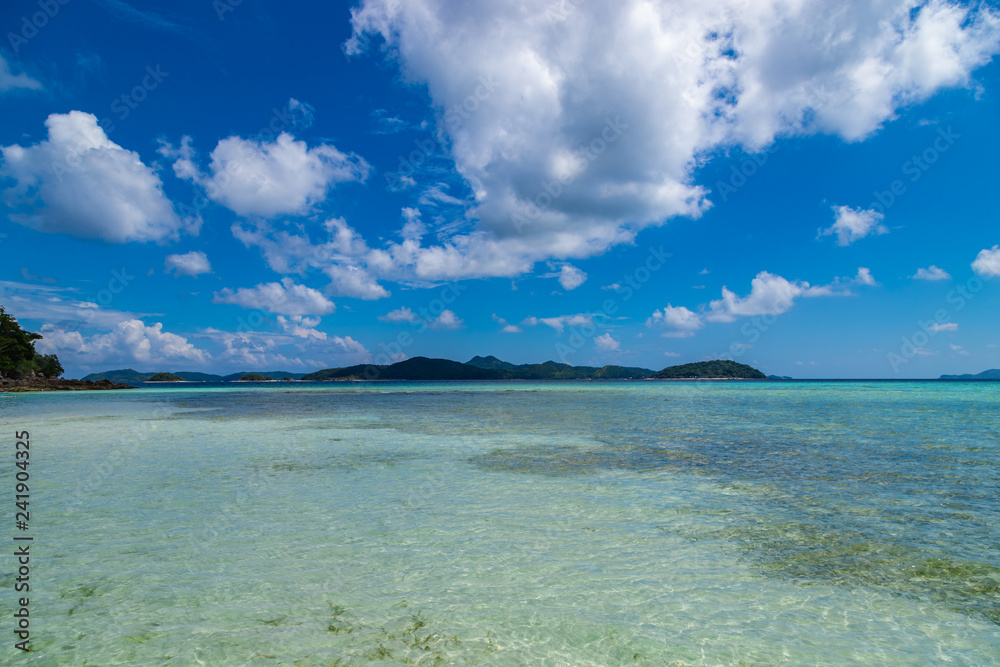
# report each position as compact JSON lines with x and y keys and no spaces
{"x":130,"y":341}
{"x":259,"y":178}
{"x":193,"y":263}
{"x":301,"y":326}
{"x":284,"y":298}
{"x":576,"y":125}
{"x":446,"y":320}
{"x":987,"y":262}
{"x":79,"y":182}
{"x":344,"y":256}
{"x":507,"y":326}
{"x":853,"y":224}
{"x":559,"y":323}
{"x":64,"y":307}
{"x":403,"y":314}
{"x":865,"y":277}
{"x":298,"y":346}
{"x":354,"y":281}
{"x":606,"y":343}
{"x":9,"y":81}
{"x":571,"y":277}
{"x":682,"y":322}
{"x":769,"y":295}
{"x":931,"y":273}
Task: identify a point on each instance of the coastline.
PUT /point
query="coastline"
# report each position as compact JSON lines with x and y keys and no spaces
{"x":30,"y":385}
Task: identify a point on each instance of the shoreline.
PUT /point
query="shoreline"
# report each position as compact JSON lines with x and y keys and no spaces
{"x":35,"y":384}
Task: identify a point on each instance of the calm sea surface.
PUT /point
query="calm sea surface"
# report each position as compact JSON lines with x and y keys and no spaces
{"x":577,"y":523}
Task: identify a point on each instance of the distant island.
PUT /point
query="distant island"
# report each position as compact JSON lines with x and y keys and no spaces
{"x":491,"y":368}
{"x":165,"y":377}
{"x":254,"y":377}
{"x":719,"y":369}
{"x":129,"y":376}
{"x":992,"y":374}
{"x":477,"y":368}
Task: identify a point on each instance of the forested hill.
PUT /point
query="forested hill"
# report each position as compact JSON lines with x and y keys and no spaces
{"x":719,"y":369}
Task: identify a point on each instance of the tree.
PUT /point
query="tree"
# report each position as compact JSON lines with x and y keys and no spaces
{"x":48,"y":365}
{"x":16,"y":344}
{"x":17,"y":351}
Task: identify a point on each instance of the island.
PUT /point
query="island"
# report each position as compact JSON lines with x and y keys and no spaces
{"x":254,"y":377}
{"x":166,"y":377}
{"x":992,"y":374}
{"x":720,"y":369}
{"x":491,"y":368}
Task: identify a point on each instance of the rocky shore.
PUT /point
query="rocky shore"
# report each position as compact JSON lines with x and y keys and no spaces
{"x":41,"y":384}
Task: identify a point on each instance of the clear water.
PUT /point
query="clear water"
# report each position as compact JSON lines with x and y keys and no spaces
{"x":618,"y":523}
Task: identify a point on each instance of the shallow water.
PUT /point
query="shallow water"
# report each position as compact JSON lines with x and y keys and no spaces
{"x":579,"y":523}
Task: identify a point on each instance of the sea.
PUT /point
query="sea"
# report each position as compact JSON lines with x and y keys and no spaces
{"x":507,"y":523}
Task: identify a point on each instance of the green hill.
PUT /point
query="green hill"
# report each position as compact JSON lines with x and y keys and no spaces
{"x":417,"y":368}
{"x":992,"y":374}
{"x":478,"y":368}
{"x":165,"y":377}
{"x":192,"y":376}
{"x":718,"y":369}
{"x":490,"y":362}
{"x":269,"y":375}
{"x":254,"y":377}
{"x":125,"y":375}
{"x":552,"y":370}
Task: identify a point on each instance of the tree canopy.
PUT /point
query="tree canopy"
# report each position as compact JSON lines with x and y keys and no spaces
{"x":17,"y":351}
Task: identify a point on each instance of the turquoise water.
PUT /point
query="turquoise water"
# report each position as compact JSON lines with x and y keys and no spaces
{"x":582,"y":523}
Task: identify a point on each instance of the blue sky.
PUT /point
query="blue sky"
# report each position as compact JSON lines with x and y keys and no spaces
{"x":236,"y":186}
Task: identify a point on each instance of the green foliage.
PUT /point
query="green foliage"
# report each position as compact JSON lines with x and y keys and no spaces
{"x":17,"y":351}
{"x":717,"y":369}
{"x":124,"y":375}
{"x":254,"y":377}
{"x":48,"y":365}
{"x":165,"y":377}
{"x":478,"y":368}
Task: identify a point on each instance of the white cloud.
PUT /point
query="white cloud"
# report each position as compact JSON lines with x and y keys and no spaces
{"x":130,"y":341}
{"x":606,"y":343}
{"x":865,"y":277}
{"x":301,"y":326}
{"x":189,"y":264}
{"x":769,"y":295}
{"x":931,"y":273}
{"x":284,"y":298}
{"x":447,"y":320}
{"x":987,"y":262}
{"x":57,"y":306}
{"x":949,"y":326}
{"x":10,"y":81}
{"x":258,"y":178}
{"x":571,"y":277}
{"x":958,"y":349}
{"x":561,"y":322}
{"x":681,"y":321}
{"x":79,"y":182}
{"x":507,"y":327}
{"x":403,"y":314}
{"x":256,"y":350}
{"x":854,"y":224}
{"x":671,"y":354}
{"x":524,"y":95}
{"x":353,"y":281}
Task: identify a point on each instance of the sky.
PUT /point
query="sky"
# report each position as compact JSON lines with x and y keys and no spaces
{"x":803,"y":186}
